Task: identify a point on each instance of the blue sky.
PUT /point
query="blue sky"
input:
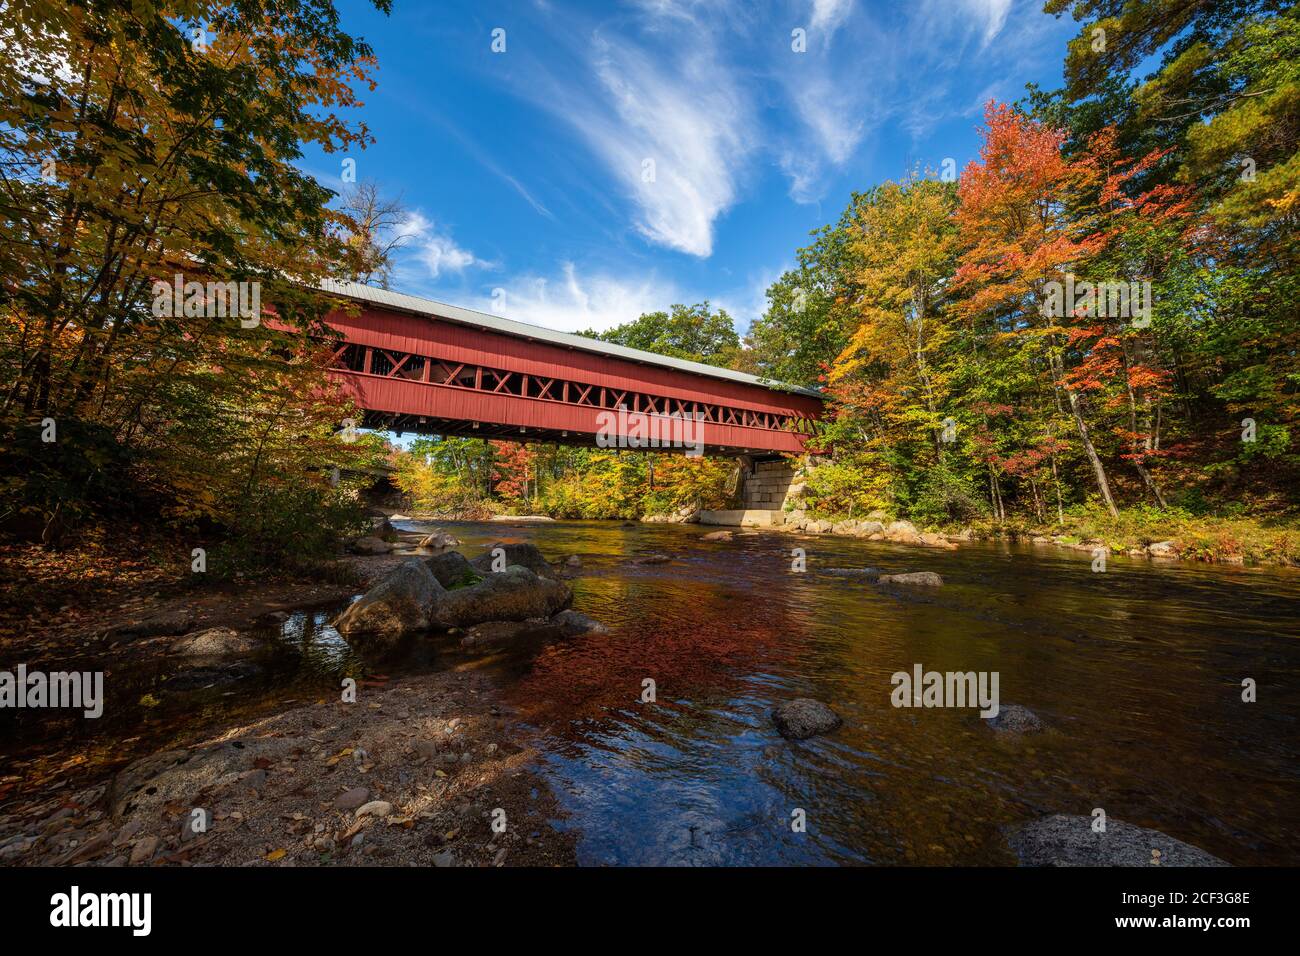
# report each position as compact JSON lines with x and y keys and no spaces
{"x":618,"y":157}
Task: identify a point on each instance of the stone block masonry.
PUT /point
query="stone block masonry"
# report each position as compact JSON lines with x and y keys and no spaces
{"x":765,"y":485}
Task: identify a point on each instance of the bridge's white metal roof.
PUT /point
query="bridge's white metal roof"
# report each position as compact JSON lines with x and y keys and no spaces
{"x":495,"y":323}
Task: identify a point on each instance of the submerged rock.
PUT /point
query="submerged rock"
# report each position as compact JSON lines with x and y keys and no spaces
{"x":655,"y":558}
{"x":869,"y":574}
{"x":400,"y":604}
{"x":275,"y":619}
{"x":1015,"y":719}
{"x":572,"y":623}
{"x":493,"y":634}
{"x":926,"y":579}
{"x":802,"y":718}
{"x":718,"y":536}
{"x":208,"y":676}
{"x":516,"y":594}
{"x":1064,"y":840}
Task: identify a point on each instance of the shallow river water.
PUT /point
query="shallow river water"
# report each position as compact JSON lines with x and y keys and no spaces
{"x":1137,"y":670}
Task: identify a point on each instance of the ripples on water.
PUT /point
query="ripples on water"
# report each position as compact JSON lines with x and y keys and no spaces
{"x":1137,"y":670}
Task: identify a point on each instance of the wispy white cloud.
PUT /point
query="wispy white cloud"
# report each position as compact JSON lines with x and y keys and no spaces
{"x":433,"y":248}
{"x":673,"y":133}
{"x":827,"y":15}
{"x":992,"y":14}
{"x":677,"y":99}
{"x":573,"y":302}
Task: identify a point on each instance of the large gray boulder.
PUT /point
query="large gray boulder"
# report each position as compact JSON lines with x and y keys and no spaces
{"x":515,"y":594}
{"x":452,"y":570}
{"x":1063,"y":840}
{"x":802,"y":718}
{"x":523,"y":554}
{"x":398,"y":605}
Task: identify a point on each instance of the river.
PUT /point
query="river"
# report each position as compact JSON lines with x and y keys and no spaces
{"x":1137,"y":671}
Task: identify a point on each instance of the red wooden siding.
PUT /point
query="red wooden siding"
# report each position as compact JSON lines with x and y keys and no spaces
{"x":415,"y":367}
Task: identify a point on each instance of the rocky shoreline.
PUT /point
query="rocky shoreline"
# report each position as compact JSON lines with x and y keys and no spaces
{"x":425,"y":771}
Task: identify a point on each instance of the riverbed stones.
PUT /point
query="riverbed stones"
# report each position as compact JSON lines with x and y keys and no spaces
{"x":803,"y":717}
{"x":515,"y":594}
{"x":400,"y":604}
{"x":718,"y":536}
{"x":1015,"y":719}
{"x":923,"y":579}
{"x":375,"y":808}
{"x":144,"y":850}
{"x":1162,"y":549}
{"x":352,"y":799}
{"x":1066,"y":840}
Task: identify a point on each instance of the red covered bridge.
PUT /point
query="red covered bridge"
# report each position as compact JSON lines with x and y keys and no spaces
{"x":422,"y":366}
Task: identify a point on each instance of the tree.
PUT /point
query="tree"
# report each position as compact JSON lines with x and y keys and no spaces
{"x":891,"y":371}
{"x":1019,"y":231}
{"x":811,"y":308}
{"x":378,"y":231}
{"x":695,"y":333}
{"x":142,"y":143}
